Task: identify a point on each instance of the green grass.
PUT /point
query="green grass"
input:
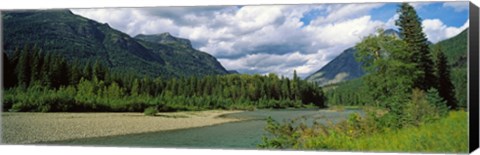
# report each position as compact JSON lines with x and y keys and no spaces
{"x":447,"y":135}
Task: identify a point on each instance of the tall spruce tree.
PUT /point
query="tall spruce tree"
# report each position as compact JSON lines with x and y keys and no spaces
{"x":444,"y":84}
{"x":417,"y":44}
{"x":23,"y":68}
{"x":37,"y":61}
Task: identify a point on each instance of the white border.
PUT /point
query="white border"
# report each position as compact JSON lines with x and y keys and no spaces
{"x":49,"y":4}
{"x":55,"y":4}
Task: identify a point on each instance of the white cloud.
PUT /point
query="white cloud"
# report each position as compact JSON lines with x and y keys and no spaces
{"x":263,"y":39}
{"x":253,"y":39}
{"x":437,"y":31}
{"x":457,"y":6}
{"x":390,"y":24}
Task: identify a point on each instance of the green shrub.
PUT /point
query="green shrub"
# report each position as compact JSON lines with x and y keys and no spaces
{"x":150,"y":111}
{"x":438,"y":102}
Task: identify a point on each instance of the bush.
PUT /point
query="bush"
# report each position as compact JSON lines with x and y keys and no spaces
{"x":150,"y":111}
{"x":438,"y":102}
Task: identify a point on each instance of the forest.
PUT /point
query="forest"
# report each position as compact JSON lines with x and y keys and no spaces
{"x":407,"y":95}
{"x":37,"y":81}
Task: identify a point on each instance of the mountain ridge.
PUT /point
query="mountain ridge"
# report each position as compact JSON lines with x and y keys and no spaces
{"x":83,"y":39}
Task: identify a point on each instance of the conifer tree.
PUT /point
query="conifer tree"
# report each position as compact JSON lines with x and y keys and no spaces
{"x":37,"y":61}
{"x":8,"y":72}
{"x":444,"y":83}
{"x":75,"y":73}
{"x":99,"y":70}
{"x":417,"y":44}
{"x":23,"y":69}
{"x":46,"y":74}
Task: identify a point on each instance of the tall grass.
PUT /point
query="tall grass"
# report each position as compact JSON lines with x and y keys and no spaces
{"x":447,"y":135}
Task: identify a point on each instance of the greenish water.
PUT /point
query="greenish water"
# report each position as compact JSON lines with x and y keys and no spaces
{"x":236,"y":135}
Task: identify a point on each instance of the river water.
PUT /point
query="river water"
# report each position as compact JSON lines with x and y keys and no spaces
{"x":236,"y":135}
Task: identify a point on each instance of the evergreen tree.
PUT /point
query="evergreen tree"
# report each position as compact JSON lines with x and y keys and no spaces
{"x":444,"y":83}
{"x":23,"y":69}
{"x":417,"y":44}
{"x":99,"y":70}
{"x":8,"y":72}
{"x":46,"y":74}
{"x":37,"y":61}
{"x":60,"y":72}
{"x":75,"y":73}
{"x":389,"y":71}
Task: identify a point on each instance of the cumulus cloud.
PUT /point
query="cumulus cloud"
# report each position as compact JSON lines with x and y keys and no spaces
{"x":437,"y":31}
{"x":457,"y":6}
{"x":262,"y":39}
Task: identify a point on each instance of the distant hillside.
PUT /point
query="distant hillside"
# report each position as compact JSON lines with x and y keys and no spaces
{"x":79,"y":38}
{"x":341,"y":68}
{"x":455,"y":49}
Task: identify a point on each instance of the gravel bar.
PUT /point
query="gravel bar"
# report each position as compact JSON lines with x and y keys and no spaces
{"x":27,"y":128}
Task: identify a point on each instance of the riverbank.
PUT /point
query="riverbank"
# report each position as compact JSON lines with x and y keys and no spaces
{"x":26,"y":128}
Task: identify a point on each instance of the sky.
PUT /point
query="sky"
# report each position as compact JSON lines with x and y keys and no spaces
{"x":279,"y":38}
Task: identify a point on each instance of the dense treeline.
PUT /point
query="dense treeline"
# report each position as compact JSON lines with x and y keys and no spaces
{"x":45,"y":82}
{"x":348,"y":93}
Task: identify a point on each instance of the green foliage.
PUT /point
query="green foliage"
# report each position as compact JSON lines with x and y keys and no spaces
{"x":419,"y":110}
{"x":390,"y":73}
{"x":348,"y":93}
{"x":455,"y":49}
{"x":98,"y":89}
{"x":370,"y":133}
{"x":284,"y":135}
{"x":444,"y":83}
{"x":460,"y":81}
{"x":410,"y":27}
{"x":437,"y":101}
{"x":150,"y":111}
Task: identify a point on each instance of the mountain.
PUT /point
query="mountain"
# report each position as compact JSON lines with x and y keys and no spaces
{"x":79,"y":38}
{"x":341,"y":68}
{"x":179,"y":55}
{"x":165,"y":38}
{"x":233,"y":72}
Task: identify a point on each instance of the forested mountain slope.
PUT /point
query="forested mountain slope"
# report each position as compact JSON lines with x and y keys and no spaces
{"x":78,"y":38}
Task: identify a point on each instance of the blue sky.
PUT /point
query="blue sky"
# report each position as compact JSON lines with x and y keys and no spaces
{"x":448,"y":15}
{"x":279,"y":38}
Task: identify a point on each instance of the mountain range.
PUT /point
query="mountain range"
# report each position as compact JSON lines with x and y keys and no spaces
{"x":78,"y":38}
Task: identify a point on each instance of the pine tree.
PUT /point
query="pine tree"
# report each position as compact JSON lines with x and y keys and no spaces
{"x":88,"y":71}
{"x":99,"y":70}
{"x":295,"y":85}
{"x":444,"y":83}
{"x":37,"y":61}
{"x":417,"y":44}
{"x":75,"y":73}
{"x":23,"y":69}
{"x":8,"y":72}
{"x":59,"y":72}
